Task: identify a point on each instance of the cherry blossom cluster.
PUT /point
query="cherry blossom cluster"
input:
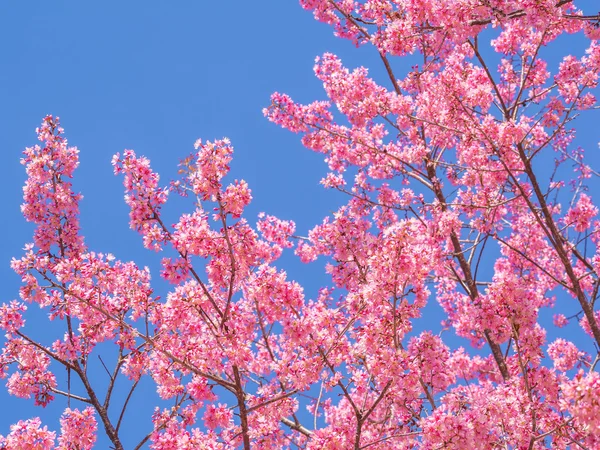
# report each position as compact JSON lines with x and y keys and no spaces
{"x":445,"y":263}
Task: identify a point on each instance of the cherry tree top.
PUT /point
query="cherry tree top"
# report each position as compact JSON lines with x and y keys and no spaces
{"x":450,"y":200}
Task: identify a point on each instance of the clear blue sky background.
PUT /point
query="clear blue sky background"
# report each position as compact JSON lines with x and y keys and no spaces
{"x":155,"y":76}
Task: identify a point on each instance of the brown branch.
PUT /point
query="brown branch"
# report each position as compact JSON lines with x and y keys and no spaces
{"x":559,"y":243}
{"x":469,"y":281}
{"x":232,"y":261}
{"x":520,"y":13}
{"x":297,"y":427}
{"x":241,"y":398}
{"x":110,"y":430}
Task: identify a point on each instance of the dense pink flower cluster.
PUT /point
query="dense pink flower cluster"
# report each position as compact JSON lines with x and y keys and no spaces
{"x":49,"y":200}
{"x":448,"y":211}
{"x":78,"y":430}
{"x":581,"y":398}
{"x":28,"y":435}
{"x":143,"y":196}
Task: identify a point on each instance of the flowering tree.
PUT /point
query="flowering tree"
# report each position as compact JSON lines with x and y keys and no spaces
{"x":464,"y":188}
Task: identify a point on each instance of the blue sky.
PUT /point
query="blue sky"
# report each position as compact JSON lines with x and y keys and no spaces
{"x":155,"y":76}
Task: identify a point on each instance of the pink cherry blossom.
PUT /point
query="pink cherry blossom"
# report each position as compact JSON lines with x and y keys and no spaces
{"x":78,"y":429}
{"x":432,"y":329}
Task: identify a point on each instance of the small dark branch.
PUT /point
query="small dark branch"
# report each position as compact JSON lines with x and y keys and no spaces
{"x":105,"y":368}
{"x":390,"y":437}
{"x":586,"y":18}
{"x":232,"y":268}
{"x":272,"y":400}
{"x":147,"y":437}
{"x":297,"y":427}
{"x":110,"y":430}
{"x":485,"y":239}
{"x":366,"y":22}
{"x":595,"y":292}
{"x":71,"y":396}
{"x":352,"y":20}
{"x":584,"y":260}
{"x":390,"y":73}
{"x":491,"y":78}
{"x":512,"y":15}
{"x":520,"y":13}
{"x":125,"y":405}
{"x":143,"y":441}
{"x":377,"y":401}
{"x":497,"y":354}
{"x":113,"y":377}
{"x":427,"y":394}
{"x":69,"y":387}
